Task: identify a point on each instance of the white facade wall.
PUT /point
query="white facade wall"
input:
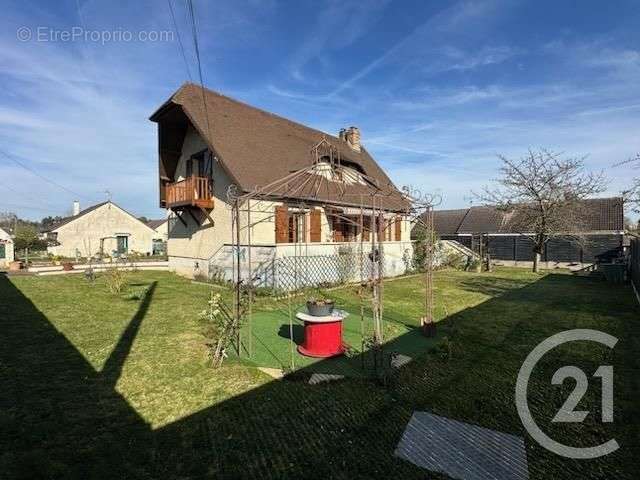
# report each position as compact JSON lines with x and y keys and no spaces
{"x":162,"y":232}
{"x":82,"y":236}
{"x":6,"y":239}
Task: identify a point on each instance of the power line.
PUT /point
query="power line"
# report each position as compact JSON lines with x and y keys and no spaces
{"x":42,"y":177}
{"x":27,"y":207}
{"x":194,"y":32}
{"x":175,"y":26}
{"x":22,"y":194}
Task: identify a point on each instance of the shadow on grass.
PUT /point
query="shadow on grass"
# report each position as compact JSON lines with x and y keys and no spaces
{"x":298,"y":333}
{"x":62,"y":419}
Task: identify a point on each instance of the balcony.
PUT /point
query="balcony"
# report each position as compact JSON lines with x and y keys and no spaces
{"x":190,"y":192}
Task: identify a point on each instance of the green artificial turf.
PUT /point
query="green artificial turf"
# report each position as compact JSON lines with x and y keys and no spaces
{"x":100,"y":385}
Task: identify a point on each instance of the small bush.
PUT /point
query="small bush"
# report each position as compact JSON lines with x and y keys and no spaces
{"x":138,"y":294}
{"x":115,"y":279}
{"x":444,"y":349}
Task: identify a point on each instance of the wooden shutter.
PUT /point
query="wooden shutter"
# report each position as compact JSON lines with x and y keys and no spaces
{"x":282,"y":224}
{"x":366,"y":229}
{"x":398,"y":225}
{"x":380,"y":228}
{"x":337,"y":230}
{"x":315,"y":226}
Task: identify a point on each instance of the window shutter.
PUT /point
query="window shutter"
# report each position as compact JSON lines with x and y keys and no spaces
{"x":366,"y":229}
{"x":282,"y":224}
{"x":315,"y":227}
{"x":380,"y":227}
{"x":337,"y":230}
{"x":398,"y":228}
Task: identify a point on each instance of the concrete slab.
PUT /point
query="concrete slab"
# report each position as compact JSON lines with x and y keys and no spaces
{"x":272,"y":372}
{"x":317,"y":378}
{"x":399,"y":360}
{"x":461,"y":450}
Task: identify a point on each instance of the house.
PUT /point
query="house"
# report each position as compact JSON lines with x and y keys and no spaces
{"x":102,"y":229}
{"x":6,"y":249}
{"x":329,"y":189}
{"x":161,"y":227}
{"x":602,"y":234}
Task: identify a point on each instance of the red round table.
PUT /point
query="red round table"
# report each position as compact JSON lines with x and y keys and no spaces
{"x":322,"y":335}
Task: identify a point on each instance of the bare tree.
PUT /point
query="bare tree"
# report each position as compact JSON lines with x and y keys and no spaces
{"x":632,"y":195}
{"x":542,"y":195}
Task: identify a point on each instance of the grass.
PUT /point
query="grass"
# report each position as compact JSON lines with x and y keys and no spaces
{"x":102,"y":385}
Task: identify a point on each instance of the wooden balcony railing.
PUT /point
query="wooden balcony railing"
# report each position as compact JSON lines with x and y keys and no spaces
{"x":192,"y":191}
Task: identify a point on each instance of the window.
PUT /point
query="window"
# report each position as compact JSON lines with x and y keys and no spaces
{"x":159,"y":247}
{"x":296,"y":230}
{"x":344,"y":230}
{"x":122,"y":243}
{"x":3,"y":252}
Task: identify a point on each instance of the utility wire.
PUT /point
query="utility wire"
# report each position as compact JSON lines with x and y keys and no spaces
{"x":27,"y":207}
{"x":42,"y":177}
{"x":194,"y":32}
{"x":22,"y":194}
{"x":175,"y":27}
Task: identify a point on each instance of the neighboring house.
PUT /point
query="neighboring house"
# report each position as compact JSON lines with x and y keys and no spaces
{"x":104,"y":228}
{"x":247,"y":148}
{"x":602,"y":234}
{"x":6,"y":249}
{"x":161,"y":227}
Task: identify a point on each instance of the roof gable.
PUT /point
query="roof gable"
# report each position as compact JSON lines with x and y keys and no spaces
{"x":4,"y":235}
{"x":87,"y":210}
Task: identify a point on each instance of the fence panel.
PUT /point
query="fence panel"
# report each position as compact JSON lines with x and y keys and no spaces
{"x":635,"y":262}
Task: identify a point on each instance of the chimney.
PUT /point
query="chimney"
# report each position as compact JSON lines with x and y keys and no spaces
{"x":352,"y":137}
{"x":76,"y":208}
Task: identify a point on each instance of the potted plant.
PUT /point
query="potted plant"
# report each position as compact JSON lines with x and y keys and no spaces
{"x":319,"y":307}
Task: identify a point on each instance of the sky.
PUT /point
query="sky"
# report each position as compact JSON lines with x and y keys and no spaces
{"x":438,"y":89}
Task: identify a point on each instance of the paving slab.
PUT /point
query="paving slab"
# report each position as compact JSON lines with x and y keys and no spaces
{"x":272,"y":372}
{"x":461,"y":450}
{"x":317,"y":378}
{"x":398,"y":360}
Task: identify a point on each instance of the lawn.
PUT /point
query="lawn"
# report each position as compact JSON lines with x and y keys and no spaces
{"x":99,"y":385}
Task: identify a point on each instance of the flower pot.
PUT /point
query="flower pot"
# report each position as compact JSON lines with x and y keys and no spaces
{"x":15,"y":266}
{"x":320,"y":309}
{"x":66,"y":266}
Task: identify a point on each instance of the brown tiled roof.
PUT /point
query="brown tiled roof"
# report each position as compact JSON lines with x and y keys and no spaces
{"x":156,"y":223}
{"x":605,"y":214}
{"x":447,"y":222}
{"x":257,"y":147}
{"x":483,"y":220}
{"x":601,"y":215}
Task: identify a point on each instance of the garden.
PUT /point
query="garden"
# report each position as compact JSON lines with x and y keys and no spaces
{"x":118,"y":382}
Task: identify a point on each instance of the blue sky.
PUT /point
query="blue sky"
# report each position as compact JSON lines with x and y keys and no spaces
{"x":437,"y":89}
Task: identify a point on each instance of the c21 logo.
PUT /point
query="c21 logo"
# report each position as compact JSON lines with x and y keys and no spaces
{"x":567,"y":412}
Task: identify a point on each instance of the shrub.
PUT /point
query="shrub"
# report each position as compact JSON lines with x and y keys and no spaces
{"x":444,"y":349}
{"x":115,"y":279}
